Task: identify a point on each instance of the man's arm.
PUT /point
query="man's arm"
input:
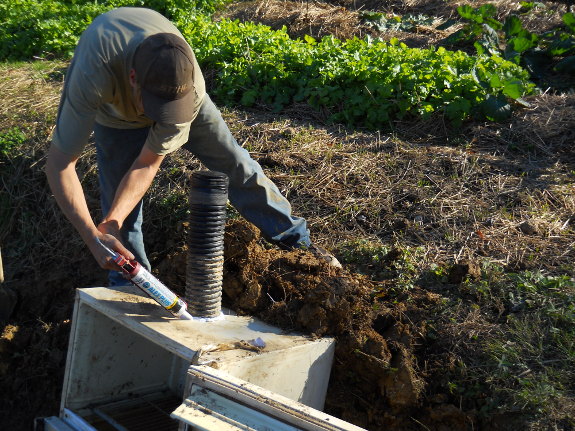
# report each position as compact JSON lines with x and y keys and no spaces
{"x":131,"y":189}
{"x":67,"y":189}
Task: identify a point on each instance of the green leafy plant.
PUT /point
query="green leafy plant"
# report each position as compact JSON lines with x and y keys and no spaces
{"x":359,"y":82}
{"x":527,"y":6}
{"x":540,"y":54}
{"x":11,"y":139}
{"x":363,"y":252}
{"x":383,"y":22}
{"x":31,"y":28}
{"x":51,"y":28}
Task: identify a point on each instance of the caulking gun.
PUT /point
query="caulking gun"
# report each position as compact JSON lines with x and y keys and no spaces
{"x":142,"y":278}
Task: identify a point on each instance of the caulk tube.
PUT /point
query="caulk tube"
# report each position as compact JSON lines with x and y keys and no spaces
{"x":142,"y":278}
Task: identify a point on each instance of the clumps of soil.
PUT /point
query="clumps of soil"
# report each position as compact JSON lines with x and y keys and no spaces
{"x":375,"y":379}
{"x":464,"y":270}
{"x":291,"y":289}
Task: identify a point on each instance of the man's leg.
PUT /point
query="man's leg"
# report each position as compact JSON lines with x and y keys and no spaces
{"x":250,"y":191}
{"x":116,"y":151}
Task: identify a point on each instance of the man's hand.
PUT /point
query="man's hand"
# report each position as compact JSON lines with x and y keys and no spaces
{"x":110,"y":227}
{"x":110,"y":231}
{"x":102,"y":256}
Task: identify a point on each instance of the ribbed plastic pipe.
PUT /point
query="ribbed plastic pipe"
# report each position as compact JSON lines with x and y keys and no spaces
{"x":205,"y":259}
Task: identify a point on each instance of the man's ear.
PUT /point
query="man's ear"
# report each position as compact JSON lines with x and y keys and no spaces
{"x":133,"y":81}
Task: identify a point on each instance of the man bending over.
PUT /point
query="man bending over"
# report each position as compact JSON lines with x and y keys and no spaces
{"x":135,"y":82}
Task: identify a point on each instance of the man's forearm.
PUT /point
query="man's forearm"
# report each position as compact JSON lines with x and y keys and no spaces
{"x":67,"y":190}
{"x":133,"y":187}
{"x":66,"y":187}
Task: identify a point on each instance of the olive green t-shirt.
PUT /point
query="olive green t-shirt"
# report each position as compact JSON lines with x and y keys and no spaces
{"x":97,"y":86}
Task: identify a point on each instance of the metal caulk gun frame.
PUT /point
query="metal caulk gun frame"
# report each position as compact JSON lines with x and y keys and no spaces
{"x":141,"y":277}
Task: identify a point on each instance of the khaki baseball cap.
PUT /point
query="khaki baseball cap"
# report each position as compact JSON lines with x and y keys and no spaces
{"x":164,"y":66}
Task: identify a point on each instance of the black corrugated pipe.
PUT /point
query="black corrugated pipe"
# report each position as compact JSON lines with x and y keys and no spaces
{"x":205,"y":265}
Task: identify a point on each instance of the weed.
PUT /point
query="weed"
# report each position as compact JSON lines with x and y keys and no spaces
{"x":438,"y":272}
{"x":381,"y":22}
{"x":362,"y":252}
{"x":232,"y":213}
{"x":539,"y":53}
{"x":170,"y":209}
{"x":10,"y":140}
{"x":529,"y":361}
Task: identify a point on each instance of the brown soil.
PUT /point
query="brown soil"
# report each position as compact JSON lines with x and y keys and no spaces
{"x":295,"y":291}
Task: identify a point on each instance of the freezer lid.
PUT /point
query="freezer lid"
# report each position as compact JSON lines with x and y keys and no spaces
{"x":217,"y":401}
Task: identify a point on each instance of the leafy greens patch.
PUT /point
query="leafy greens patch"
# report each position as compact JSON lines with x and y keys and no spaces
{"x":359,"y":82}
